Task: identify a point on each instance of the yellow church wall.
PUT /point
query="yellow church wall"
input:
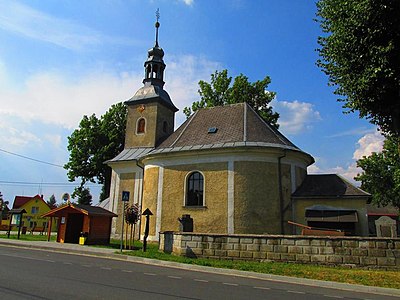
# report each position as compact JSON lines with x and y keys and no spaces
{"x":164,"y":114}
{"x":150,"y":192}
{"x":286,"y":195}
{"x":147,"y":139}
{"x":126,"y":183}
{"x":256,"y":197}
{"x":209,"y":219}
{"x":301,"y":173}
{"x":154,"y":114}
{"x":348,"y":203}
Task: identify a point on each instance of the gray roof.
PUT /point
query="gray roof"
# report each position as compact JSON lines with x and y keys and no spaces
{"x":236,"y":125}
{"x":95,"y":210}
{"x":104,"y":204}
{"x":131,"y":154}
{"x":150,"y":93}
{"x":327,"y":186}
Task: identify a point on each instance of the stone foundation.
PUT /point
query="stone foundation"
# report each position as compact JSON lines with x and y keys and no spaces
{"x":346,"y":251}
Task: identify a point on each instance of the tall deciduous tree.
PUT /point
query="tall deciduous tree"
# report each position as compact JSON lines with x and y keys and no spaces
{"x":82,"y":194}
{"x":381,"y":174}
{"x":94,"y":142}
{"x":361,"y":55}
{"x":3,"y":206}
{"x":52,"y":201}
{"x":221,"y":92}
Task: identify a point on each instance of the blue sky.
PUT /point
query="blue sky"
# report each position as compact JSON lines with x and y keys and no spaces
{"x":60,"y":60}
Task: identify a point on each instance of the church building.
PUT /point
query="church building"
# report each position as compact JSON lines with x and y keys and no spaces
{"x":224,"y":166}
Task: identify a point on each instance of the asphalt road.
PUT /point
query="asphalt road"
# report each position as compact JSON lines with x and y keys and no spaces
{"x":33,"y":274}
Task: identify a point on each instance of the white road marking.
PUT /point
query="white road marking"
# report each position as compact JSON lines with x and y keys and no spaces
{"x":31,"y":258}
{"x":261,"y":288}
{"x":330,"y":296}
{"x":228,"y":283}
{"x":150,"y":274}
{"x":201,"y":280}
{"x":295,"y":292}
{"x":175,"y":277}
{"x":86,"y":266}
{"x":105,"y":268}
{"x":127,"y":271}
{"x":67,"y":263}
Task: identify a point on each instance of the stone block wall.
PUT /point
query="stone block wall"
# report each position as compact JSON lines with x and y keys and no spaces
{"x":347,"y":251}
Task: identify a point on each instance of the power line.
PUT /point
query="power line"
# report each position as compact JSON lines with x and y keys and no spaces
{"x":44,"y":183}
{"x":33,"y":159}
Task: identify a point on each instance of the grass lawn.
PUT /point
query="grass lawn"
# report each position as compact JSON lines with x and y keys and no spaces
{"x":381,"y":278}
{"x":27,"y":237}
{"x":389,"y":279}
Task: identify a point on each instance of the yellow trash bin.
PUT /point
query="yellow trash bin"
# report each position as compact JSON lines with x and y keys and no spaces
{"x":82,"y":238}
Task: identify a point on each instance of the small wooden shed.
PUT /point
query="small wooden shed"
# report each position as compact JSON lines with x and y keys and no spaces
{"x":77,"y":219}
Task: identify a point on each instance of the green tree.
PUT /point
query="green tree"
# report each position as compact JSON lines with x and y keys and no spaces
{"x":52,"y":201}
{"x":360,"y":53}
{"x":381,"y":174}
{"x":82,"y":194}
{"x":3,"y":206}
{"x":94,"y":142}
{"x":221,"y":92}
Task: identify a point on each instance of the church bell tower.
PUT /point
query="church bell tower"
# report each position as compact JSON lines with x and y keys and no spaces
{"x":151,"y":113}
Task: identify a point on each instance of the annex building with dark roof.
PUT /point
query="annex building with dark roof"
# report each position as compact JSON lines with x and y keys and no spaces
{"x":227,"y":168}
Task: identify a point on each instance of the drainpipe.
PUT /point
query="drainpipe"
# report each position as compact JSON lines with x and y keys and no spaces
{"x":141,"y":198}
{"x":281,"y":190}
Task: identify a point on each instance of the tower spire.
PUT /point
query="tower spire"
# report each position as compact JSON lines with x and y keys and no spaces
{"x":154,"y":65}
{"x":157,"y":25}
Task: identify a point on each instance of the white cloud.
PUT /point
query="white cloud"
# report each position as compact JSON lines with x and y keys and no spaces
{"x":54,"y":139}
{"x":352,"y":132}
{"x":370,"y":142}
{"x":348,"y":172}
{"x":54,"y":99}
{"x":182,"y":76}
{"x":26,"y":21}
{"x":295,"y":117}
{"x":188,"y":2}
{"x":12,"y":138}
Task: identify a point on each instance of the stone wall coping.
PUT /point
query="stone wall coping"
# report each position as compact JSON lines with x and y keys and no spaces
{"x":280,"y":236}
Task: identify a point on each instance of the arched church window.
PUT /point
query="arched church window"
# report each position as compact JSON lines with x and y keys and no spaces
{"x":141,"y":126}
{"x":194,"y":189}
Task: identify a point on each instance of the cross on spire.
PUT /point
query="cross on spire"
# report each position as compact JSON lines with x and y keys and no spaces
{"x":157,"y":24}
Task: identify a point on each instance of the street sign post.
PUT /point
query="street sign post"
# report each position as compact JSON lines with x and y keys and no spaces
{"x":125,"y":200}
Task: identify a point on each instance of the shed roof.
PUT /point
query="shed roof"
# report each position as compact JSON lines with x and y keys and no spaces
{"x":16,"y":211}
{"x":79,"y":208}
{"x":327,"y":186}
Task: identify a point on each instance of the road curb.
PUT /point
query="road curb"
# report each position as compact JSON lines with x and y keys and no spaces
{"x":112,"y":254}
